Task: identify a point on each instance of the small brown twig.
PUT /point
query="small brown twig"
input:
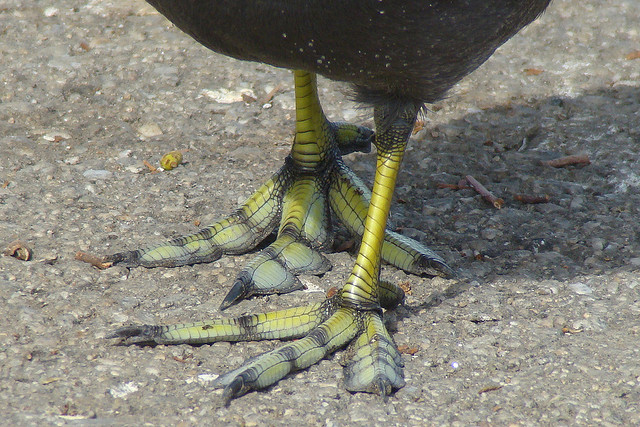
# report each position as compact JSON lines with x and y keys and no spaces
{"x":489,"y":388}
{"x":94,"y":260}
{"x":579,"y":159}
{"x":531,"y":200}
{"x":486,"y":194}
{"x":269,"y":96}
{"x":460,"y":186}
{"x":152,"y":168}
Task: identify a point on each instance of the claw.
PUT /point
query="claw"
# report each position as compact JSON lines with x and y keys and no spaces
{"x":138,"y":331}
{"x":240,"y":290}
{"x":235,"y":389}
{"x":351,"y":138}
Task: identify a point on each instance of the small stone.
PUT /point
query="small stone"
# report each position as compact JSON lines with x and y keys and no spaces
{"x":597,"y":243}
{"x":51,"y":11}
{"x":489,"y":233}
{"x":226,"y":96}
{"x":149,"y":130}
{"x":123,"y":390}
{"x":577,"y":203}
{"x":134,"y":168}
{"x":581,"y":288}
{"x":97,"y":174}
{"x":72,"y":160}
{"x":56,"y":136}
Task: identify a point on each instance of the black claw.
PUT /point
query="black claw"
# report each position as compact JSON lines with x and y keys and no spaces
{"x":361,"y":143}
{"x":147,"y":332}
{"x":125,"y":259}
{"x":234,"y":389}
{"x":239,"y":291}
{"x":434,"y":267}
{"x":383,"y":388}
{"x":390,"y":295}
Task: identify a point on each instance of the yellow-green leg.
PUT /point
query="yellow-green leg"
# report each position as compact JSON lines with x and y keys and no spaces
{"x":312,"y":189}
{"x":353,"y":315}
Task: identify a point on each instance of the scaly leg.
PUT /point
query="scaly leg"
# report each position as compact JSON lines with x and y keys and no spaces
{"x":313,"y":188}
{"x":353,"y":315}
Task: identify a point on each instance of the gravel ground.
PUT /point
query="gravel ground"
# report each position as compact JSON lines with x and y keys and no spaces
{"x":542,"y":329}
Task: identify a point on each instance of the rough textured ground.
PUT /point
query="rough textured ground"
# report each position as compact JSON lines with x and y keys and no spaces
{"x":542,"y":330}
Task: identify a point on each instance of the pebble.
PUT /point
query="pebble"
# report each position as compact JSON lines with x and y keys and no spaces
{"x":577,"y":203}
{"x":123,"y":390}
{"x":97,"y":174}
{"x":135,"y":168}
{"x":150,"y":130}
{"x":489,"y":233}
{"x":581,"y":288}
{"x":72,"y":160}
{"x":51,"y":11}
{"x":226,"y":96}
{"x":56,"y":136}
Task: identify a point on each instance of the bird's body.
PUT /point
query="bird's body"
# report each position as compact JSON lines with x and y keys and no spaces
{"x":398,"y":54}
{"x":387,"y":48}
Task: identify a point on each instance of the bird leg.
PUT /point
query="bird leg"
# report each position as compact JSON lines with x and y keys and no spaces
{"x":353,"y":315}
{"x":313,"y":187}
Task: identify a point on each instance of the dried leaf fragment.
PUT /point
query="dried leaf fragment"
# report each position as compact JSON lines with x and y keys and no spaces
{"x":632,"y":55}
{"x":19,"y":250}
{"x":459,"y":186}
{"x":533,"y":71}
{"x":418,"y":126}
{"x":332,"y":291}
{"x":406,"y":287}
{"x":532,"y":200}
{"x":94,"y":260}
{"x":579,"y":159}
{"x":405,"y":349}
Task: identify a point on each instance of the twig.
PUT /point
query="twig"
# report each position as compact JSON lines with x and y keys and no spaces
{"x":269,"y":97}
{"x":579,"y":159}
{"x":486,"y":194}
{"x":460,"y":186}
{"x":152,"y":168}
{"x":489,"y":388}
{"x":527,"y":199}
{"x":96,"y":261}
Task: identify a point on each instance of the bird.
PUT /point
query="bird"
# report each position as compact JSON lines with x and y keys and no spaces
{"x":398,"y":56}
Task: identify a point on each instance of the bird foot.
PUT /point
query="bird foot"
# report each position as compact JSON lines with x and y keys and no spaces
{"x":373,"y":362}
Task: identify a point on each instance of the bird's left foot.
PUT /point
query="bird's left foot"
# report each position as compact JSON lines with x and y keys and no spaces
{"x":372,"y":362}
